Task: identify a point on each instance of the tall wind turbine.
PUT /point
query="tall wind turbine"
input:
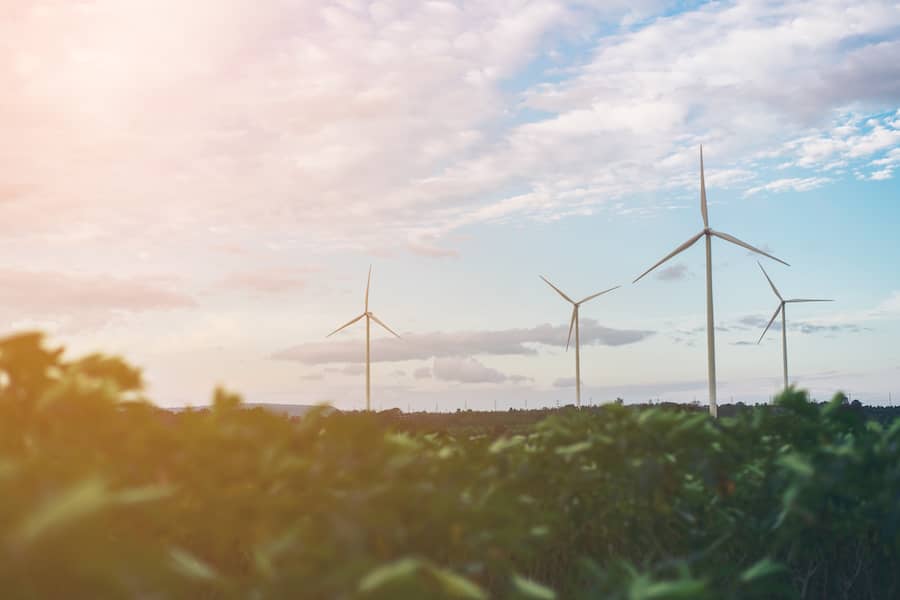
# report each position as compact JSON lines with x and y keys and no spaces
{"x":574,"y":324}
{"x":369,"y":318}
{"x":708,"y":234}
{"x":781,"y":309}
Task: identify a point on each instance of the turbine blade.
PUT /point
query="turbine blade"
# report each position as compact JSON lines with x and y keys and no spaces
{"x":703,"y":192}
{"x":368,"y":281}
{"x":558,"y":291}
{"x":680,"y":248}
{"x":774,"y":289}
{"x":377,"y":320}
{"x":808,"y":300}
{"x":734,"y":240}
{"x":345,"y":325}
{"x":591,"y":297}
{"x":777,"y":310}
{"x":571,"y":325}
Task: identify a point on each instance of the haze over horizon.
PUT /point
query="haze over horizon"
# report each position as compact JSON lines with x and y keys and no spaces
{"x":201,"y":187}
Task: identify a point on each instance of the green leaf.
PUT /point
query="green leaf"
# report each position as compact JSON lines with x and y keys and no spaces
{"x":894,"y":428}
{"x":393,"y":572}
{"x":797,"y":463}
{"x":265,"y":554}
{"x":403,"y":440}
{"x":446,"y":452}
{"x":788,"y":500}
{"x":540,"y":530}
{"x":687,"y":424}
{"x":762,"y":568}
{"x":7,"y":468}
{"x":190,"y":566}
{"x":147,"y":493}
{"x":684,"y":589}
{"x":532,"y":589}
{"x":874,"y":426}
{"x":457,"y":586}
{"x":603,"y":439}
{"x":78,"y":501}
{"x":574,"y":448}
{"x":505,"y":444}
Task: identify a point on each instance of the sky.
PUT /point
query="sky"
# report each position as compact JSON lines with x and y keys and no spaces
{"x":200,"y":187}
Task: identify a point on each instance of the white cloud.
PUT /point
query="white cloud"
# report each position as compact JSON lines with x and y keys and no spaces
{"x":43,"y":292}
{"x":320,"y":116}
{"x":564,"y":382}
{"x":758,"y":323}
{"x":891,"y":158}
{"x":888,"y":308}
{"x":465,"y":370}
{"x":455,"y":344}
{"x":740,"y":77}
{"x":675,"y":272}
{"x":851,"y":139}
{"x":425,"y":249}
{"x":358,"y":126}
{"x":351,"y":369}
{"x":835,"y":322}
{"x":267,"y":281}
{"x":796,"y":184}
{"x":64,"y":303}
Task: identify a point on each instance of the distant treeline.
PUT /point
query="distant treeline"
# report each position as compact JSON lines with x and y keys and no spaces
{"x":519,"y":420}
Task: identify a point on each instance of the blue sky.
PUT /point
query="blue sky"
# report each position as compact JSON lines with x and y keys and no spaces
{"x":202,"y":189}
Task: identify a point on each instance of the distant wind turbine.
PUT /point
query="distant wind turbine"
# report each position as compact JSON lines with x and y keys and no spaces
{"x":369,"y":317}
{"x":781,"y":309}
{"x":708,"y":234}
{"x":574,"y":324}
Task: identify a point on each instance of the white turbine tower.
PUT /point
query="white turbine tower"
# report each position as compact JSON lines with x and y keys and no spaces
{"x":781,"y":309}
{"x":369,"y":317}
{"x":708,"y":234}
{"x":574,"y":324}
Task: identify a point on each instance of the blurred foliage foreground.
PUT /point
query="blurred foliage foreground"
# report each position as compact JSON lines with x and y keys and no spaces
{"x":102,"y":495}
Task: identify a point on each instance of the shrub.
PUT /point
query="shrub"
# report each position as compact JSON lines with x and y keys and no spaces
{"x":117,"y":498}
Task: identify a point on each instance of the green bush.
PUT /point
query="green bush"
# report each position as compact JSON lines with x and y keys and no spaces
{"x":105,"y":495}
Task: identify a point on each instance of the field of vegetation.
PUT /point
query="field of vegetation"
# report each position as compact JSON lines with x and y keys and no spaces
{"x":104,"y":495}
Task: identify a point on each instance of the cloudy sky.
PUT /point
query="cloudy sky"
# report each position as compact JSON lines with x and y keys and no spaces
{"x":201,"y":187}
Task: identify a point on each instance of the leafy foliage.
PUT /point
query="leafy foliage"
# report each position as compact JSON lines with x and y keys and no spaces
{"x":117,"y":498}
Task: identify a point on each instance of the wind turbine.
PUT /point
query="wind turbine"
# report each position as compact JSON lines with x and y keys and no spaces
{"x":369,"y":318}
{"x":708,"y":234}
{"x":574,"y":324}
{"x":781,"y":309}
